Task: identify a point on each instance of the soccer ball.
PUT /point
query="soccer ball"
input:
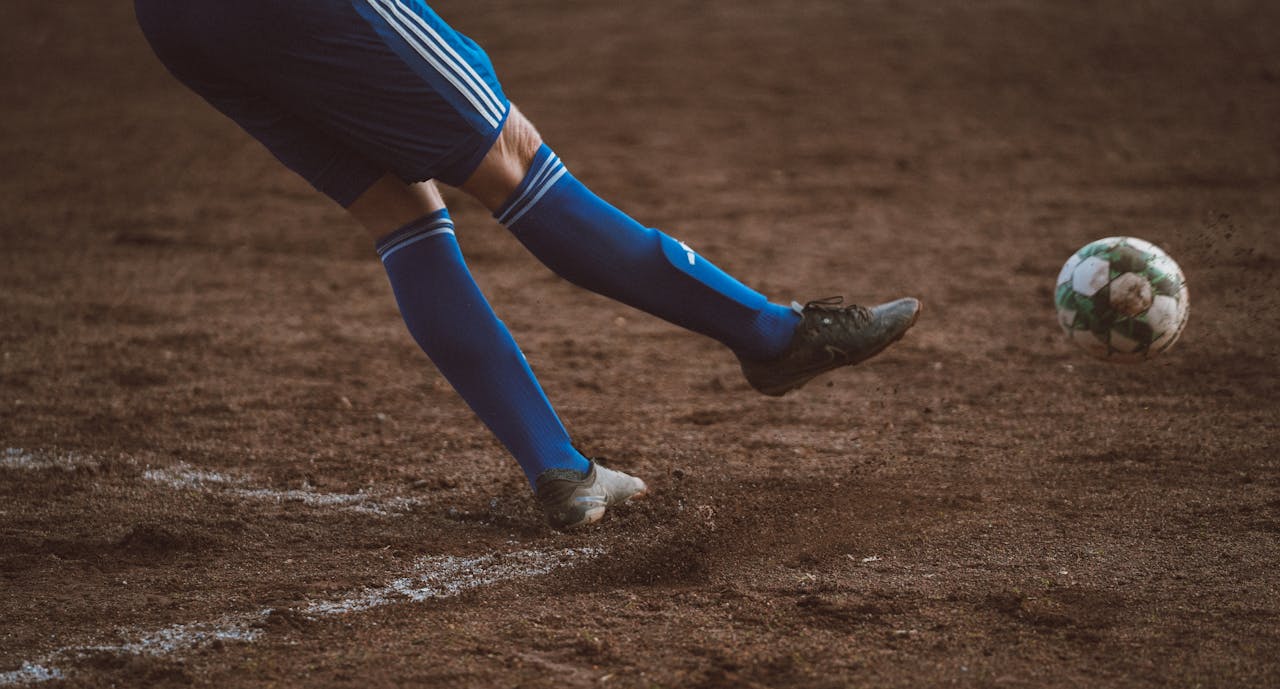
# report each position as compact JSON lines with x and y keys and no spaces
{"x":1122,"y":299}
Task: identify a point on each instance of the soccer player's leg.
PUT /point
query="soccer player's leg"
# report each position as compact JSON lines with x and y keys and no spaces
{"x":454,"y":324}
{"x":390,"y":203}
{"x":434,"y":111}
{"x":594,"y":245}
{"x":324,"y":117}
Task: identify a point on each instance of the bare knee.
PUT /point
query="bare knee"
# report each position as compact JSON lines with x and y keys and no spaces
{"x":390,"y":203}
{"x":506,"y":163}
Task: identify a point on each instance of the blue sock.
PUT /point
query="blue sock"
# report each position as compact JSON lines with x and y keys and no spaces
{"x":453,"y":323}
{"x":594,"y":245}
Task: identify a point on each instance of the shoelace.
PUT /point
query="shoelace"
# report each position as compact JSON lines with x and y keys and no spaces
{"x":861,"y":315}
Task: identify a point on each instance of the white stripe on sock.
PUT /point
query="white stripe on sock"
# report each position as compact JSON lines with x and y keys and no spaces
{"x":534,"y":201}
{"x":414,"y":240}
{"x":548,"y":167}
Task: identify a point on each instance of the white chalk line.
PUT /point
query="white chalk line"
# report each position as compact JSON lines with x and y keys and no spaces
{"x":29,"y":674}
{"x":183,"y":476}
{"x":18,"y":458}
{"x":430,"y":578}
{"x":433,"y":577}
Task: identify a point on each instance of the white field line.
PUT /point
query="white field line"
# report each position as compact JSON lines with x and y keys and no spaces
{"x":18,"y":458}
{"x":28,"y":674}
{"x":183,"y":476}
{"x":430,"y":578}
{"x":445,"y":576}
{"x":186,"y":477}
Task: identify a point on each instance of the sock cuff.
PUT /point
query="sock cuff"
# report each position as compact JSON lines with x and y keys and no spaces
{"x":543,"y":174}
{"x":428,"y":225}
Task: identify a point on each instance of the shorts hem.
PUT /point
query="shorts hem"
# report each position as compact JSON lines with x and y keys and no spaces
{"x":455,"y":167}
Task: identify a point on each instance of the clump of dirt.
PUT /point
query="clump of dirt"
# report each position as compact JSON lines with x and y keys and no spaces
{"x":1077,"y":609}
{"x":153,"y":539}
{"x":825,"y":610}
{"x":284,"y":620}
{"x":676,"y":555}
{"x":137,"y":670}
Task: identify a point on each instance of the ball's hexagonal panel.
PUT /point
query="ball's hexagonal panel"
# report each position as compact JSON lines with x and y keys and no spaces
{"x":1141,"y":245}
{"x":1135,"y":329}
{"x":1127,"y":259}
{"x":1064,"y":275}
{"x":1163,"y":267}
{"x":1163,"y":317}
{"x":1091,"y":275}
{"x":1130,"y":294}
{"x":1181,"y":311}
{"x":1124,"y":345}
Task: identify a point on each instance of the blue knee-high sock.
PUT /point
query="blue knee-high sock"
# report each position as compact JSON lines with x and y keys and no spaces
{"x":453,"y":323}
{"x":594,"y":245}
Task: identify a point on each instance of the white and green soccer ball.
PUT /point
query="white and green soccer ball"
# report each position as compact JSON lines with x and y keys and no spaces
{"x":1122,"y":299}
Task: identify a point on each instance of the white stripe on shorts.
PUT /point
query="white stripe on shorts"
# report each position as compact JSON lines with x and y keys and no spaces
{"x":463,"y":67}
{"x":437,"y":54}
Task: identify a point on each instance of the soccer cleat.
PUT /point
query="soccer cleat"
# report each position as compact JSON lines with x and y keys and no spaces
{"x":570,"y":499}
{"x":830,"y":336}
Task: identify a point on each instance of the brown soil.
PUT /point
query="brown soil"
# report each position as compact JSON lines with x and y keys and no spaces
{"x":981,"y":505}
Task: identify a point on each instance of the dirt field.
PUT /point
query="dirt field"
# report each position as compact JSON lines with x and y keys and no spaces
{"x":226,"y":464}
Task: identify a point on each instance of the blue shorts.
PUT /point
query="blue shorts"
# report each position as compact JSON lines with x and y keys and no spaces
{"x":341,"y":91}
